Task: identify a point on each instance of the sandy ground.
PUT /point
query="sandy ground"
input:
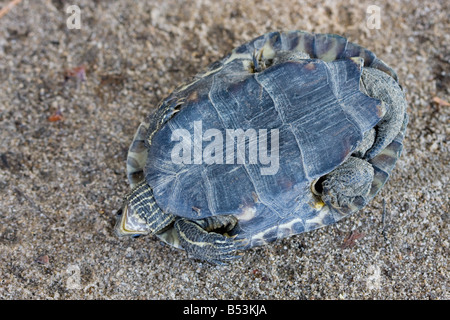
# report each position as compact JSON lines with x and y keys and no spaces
{"x":64,"y":143}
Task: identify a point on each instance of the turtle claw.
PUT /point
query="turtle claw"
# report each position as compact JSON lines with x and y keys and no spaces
{"x":349,"y":184}
{"x":210,"y":246}
{"x":258,"y":64}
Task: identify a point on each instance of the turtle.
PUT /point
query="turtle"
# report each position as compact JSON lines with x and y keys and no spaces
{"x":290,"y":132}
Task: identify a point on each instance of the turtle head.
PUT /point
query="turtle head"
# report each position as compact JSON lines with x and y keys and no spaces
{"x":140,"y":214}
{"x":130,"y":218}
{"x":128,"y":222}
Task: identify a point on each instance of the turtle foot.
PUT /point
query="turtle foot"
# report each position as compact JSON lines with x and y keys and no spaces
{"x":206,"y":245}
{"x":348,"y":184}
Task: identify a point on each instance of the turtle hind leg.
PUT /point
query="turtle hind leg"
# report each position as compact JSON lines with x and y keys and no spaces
{"x":348,"y":186}
{"x":200,"y":242}
{"x":379,"y":85}
{"x":365,"y":144}
{"x":259,"y":63}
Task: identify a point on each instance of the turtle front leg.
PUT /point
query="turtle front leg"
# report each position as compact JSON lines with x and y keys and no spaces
{"x":200,"y":241}
{"x":348,"y":185}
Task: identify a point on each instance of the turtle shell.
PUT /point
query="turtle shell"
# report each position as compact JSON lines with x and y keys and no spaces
{"x":315,"y":110}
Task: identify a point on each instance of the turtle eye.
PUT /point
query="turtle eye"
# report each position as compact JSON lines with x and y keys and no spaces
{"x":135,"y":236}
{"x":119,"y":212}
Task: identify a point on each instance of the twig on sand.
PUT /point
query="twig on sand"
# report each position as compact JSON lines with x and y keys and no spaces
{"x":383,"y":220}
{"x":8,"y":7}
{"x":350,"y":240}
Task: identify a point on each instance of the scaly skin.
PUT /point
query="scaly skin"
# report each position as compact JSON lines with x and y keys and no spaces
{"x":354,"y":177}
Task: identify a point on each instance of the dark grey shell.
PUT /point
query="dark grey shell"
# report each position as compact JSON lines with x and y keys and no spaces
{"x":318,"y":109}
